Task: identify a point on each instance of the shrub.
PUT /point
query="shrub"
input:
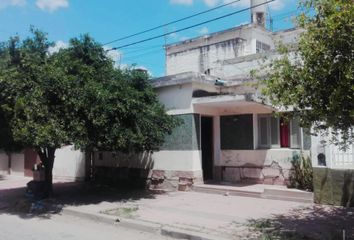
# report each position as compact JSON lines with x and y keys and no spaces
{"x":301,"y":176}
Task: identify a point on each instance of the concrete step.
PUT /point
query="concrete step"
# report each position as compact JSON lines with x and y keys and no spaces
{"x":269,"y":192}
{"x":225,"y":190}
{"x":288,"y":195}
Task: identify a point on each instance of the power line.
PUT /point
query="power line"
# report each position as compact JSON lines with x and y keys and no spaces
{"x":170,"y":23}
{"x":189,"y":27}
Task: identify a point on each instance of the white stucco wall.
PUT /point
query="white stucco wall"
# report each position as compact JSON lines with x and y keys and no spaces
{"x":206,"y":52}
{"x":69,"y":164}
{"x":258,"y":157}
{"x":176,"y":99}
{"x":17,"y":164}
{"x":178,"y":160}
{"x":3,"y":163}
{"x":336,"y":157}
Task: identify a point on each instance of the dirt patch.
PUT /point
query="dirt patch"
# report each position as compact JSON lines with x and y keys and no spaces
{"x":311,"y":223}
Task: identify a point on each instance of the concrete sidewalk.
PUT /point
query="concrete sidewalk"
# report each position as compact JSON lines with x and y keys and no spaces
{"x":186,"y":214}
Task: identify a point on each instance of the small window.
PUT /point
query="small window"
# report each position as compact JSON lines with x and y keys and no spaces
{"x":295,"y":139}
{"x":100,"y":156}
{"x":263,"y":131}
{"x":262,"y":47}
{"x":274,"y":127}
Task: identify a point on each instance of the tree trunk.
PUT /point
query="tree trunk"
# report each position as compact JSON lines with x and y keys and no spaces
{"x":47,"y":156}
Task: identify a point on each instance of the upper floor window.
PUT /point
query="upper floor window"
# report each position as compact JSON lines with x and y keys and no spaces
{"x":262,"y":47}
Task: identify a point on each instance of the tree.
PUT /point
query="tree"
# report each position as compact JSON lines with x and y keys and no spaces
{"x":76,"y":96}
{"x":317,"y":77}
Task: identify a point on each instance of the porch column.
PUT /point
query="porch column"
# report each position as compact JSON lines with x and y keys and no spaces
{"x":255,"y":131}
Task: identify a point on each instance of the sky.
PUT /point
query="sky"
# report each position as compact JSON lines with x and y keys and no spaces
{"x":107,"y":20}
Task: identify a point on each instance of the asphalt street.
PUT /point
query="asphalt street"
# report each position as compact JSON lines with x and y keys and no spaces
{"x":61,"y":227}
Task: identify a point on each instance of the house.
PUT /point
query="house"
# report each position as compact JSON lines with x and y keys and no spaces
{"x":228,"y":133}
{"x":69,"y":164}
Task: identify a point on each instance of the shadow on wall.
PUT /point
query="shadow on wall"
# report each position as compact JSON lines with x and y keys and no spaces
{"x":348,"y":189}
{"x":334,"y":186}
{"x":123,"y":170}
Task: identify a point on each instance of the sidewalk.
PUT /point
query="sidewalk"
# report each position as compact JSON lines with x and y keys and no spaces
{"x":209,"y":215}
{"x":190,"y":215}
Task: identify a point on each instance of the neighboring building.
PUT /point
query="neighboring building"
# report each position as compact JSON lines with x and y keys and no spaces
{"x":69,"y":164}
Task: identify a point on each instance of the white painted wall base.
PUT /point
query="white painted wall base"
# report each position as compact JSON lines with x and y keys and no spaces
{"x":177,"y":160}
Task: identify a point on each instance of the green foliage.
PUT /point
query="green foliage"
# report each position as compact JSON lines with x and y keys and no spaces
{"x":75,"y":96}
{"x":317,"y":79}
{"x":301,"y":176}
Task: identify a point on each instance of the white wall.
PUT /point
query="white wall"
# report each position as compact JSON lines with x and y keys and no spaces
{"x":69,"y":164}
{"x":17,"y":164}
{"x":178,"y":160}
{"x":336,"y":158}
{"x":3,"y":163}
{"x":259,"y":158}
{"x":177,"y":97}
{"x":198,"y":55}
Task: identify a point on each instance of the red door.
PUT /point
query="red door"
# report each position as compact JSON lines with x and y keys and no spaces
{"x":31,"y":158}
{"x":284,"y":133}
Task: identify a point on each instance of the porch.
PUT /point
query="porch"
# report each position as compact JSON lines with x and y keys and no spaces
{"x":242,"y":142}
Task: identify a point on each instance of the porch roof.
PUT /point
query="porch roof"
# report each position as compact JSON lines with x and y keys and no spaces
{"x":246,"y":102}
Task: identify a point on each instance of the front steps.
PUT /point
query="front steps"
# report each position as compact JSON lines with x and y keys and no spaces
{"x":257,"y":191}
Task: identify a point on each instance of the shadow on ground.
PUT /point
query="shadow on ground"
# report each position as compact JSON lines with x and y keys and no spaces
{"x":316,"y":222}
{"x":15,"y":202}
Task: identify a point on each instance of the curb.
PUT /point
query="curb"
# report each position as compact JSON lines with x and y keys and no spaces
{"x":186,"y":234}
{"x":144,"y":226}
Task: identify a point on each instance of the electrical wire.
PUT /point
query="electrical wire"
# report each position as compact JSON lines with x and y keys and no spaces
{"x":170,"y":23}
{"x":189,"y":27}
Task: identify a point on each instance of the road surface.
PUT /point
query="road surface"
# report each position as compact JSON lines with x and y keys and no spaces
{"x":60,"y":227}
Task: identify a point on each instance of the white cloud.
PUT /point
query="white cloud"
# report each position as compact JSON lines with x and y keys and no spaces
{"x":275,"y":6}
{"x":58,"y":45}
{"x":211,"y":3}
{"x":183,"y":38}
{"x":8,"y":3}
{"x":203,"y":31}
{"x":52,"y":5}
{"x":173,"y":35}
{"x":240,"y":4}
{"x":115,"y":55}
{"x":182,"y":2}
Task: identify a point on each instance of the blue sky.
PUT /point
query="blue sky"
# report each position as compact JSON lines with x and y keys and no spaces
{"x":107,"y":20}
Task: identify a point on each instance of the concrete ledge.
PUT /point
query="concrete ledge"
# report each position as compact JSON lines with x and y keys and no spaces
{"x":186,"y":234}
{"x":99,"y":217}
{"x":293,"y":195}
{"x":140,"y":225}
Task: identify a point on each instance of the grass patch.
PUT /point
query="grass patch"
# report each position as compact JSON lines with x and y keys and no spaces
{"x":125,"y":212}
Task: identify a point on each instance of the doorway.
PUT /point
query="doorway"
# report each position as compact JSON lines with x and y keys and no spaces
{"x":207,"y":147}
